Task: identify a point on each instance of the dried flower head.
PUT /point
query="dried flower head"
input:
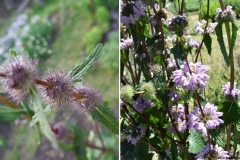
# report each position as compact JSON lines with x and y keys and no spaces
{"x":91,"y":98}
{"x":224,"y":16}
{"x":60,"y":92}
{"x":19,"y":76}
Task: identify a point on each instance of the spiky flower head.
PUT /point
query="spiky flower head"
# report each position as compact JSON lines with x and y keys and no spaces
{"x":60,"y":90}
{"x":177,"y":23}
{"x":19,"y":76}
{"x":90,"y":98}
{"x":149,"y":91}
{"x":59,"y":130}
{"x":127,"y":93}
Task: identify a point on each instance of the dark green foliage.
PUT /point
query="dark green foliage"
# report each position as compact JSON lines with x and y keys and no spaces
{"x":219,"y":34}
{"x":231,"y":112}
{"x":178,"y":54}
{"x":208,"y":43}
{"x":127,"y":150}
{"x":141,"y":152}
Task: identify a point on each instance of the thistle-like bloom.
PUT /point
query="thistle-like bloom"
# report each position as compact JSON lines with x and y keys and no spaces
{"x":90,"y":98}
{"x":130,"y":11}
{"x":210,"y":120}
{"x":59,"y":130}
{"x":216,"y":151}
{"x":125,"y":44}
{"x":233,"y":93}
{"x":141,"y":104}
{"x":224,"y":16}
{"x":177,"y":23}
{"x":200,"y":27}
{"x":126,"y":93}
{"x":136,"y":134}
{"x":198,"y":78}
{"x":60,"y":90}
{"x":19,"y":76}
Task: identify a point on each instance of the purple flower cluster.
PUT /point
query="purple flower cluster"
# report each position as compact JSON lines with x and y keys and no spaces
{"x":130,"y":11}
{"x":177,"y":112}
{"x":224,"y":16}
{"x":141,"y":104}
{"x":174,"y":96}
{"x":191,"y":81}
{"x":136,"y":134}
{"x":125,"y":44}
{"x":216,"y":151}
{"x":234,"y":92}
{"x":210,"y":120}
{"x":171,"y":64}
{"x":193,"y":44}
{"x":200,"y":27}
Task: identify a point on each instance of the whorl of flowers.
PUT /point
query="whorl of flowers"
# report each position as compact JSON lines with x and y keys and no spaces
{"x":216,"y":153}
{"x":149,"y":91}
{"x":90,"y":98}
{"x":224,"y":16}
{"x":177,"y":113}
{"x":130,"y":11}
{"x":19,"y":76}
{"x":135,"y":134}
{"x":126,"y":93}
{"x":193,"y":44}
{"x":60,"y":90}
{"x":127,"y":43}
{"x":233,"y":93}
{"x":200,"y":27}
{"x":210,"y":120}
{"x":141,"y":104}
{"x":194,"y":80}
{"x":177,"y":23}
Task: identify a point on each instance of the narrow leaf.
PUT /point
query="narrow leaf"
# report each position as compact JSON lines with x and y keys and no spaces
{"x":219,"y":34}
{"x":208,"y":43}
{"x":5,"y":110}
{"x":196,"y":142}
{"x":40,"y":117}
{"x":103,"y":115}
{"x":178,"y":54}
{"x":86,"y":64}
{"x":234,"y":37}
{"x":79,"y":144}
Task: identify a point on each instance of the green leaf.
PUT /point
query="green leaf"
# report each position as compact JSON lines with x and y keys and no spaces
{"x":208,"y":43}
{"x":12,"y":52}
{"x":219,"y":34}
{"x":9,"y":114}
{"x":79,"y":144}
{"x":178,"y":54}
{"x":174,"y":150}
{"x":86,"y":64}
{"x":234,"y":37}
{"x":231,"y":112}
{"x":141,"y":151}
{"x":127,"y":150}
{"x":215,"y":133}
{"x":40,"y":117}
{"x":196,"y":142}
{"x":103,"y":115}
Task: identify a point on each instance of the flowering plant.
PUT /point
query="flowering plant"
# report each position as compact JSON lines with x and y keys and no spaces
{"x":35,"y":97}
{"x":165,"y":111}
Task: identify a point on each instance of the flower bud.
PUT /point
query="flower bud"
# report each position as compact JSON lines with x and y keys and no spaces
{"x":177,"y":23}
{"x":149,"y":91}
{"x":127,"y":93}
{"x":59,"y":130}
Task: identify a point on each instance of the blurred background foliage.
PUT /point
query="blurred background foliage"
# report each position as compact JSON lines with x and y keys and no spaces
{"x":61,"y":34}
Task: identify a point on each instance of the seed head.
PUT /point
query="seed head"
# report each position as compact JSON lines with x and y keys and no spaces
{"x":149,"y":89}
{"x":20,"y":74}
{"x":126,"y":93}
{"x":91,"y":98}
{"x":60,"y":93}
